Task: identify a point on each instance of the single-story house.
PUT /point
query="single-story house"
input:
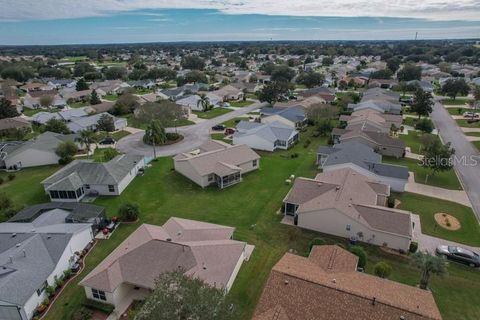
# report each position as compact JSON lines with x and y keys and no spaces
{"x":85,"y":177}
{"x":14,"y":123}
{"x":364,"y":160}
{"x":39,"y":151}
{"x":347,"y":204}
{"x":425,"y":85}
{"x":265,"y":136}
{"x":203,"y":250}
{"x":326,"y":93}
{"x":77,"y":124}
{"x":218,"y":163}
{"x":32,"y":256}
{"x":109,"y":86}
{"x":73,"y":95}
{"x":294,"y":117}
{"x":144,"y":84}
{"x":380,"y":142}
{"x":372,"y":120}
{"x":62,"y":83}
{"x":377,"y":105}
{"x":192,"y":101}
{"x":228,"y":93}
{"x":327,"y":286}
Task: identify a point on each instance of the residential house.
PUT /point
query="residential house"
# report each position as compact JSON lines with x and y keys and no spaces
{"x":75,"y":96}
{"x":85,"y":177}
{"x":294,"y":117}
{"x":364,"y":160}
{"x":228,"y":93}
{"x":372,"y":120}
{"x":377,"y":105}
{"x":348,"y":204}
{"x":35,"y":86}
{"x":39,"y":151}
{"x":62,"y":83}
{"x":78,"y":124}
{"x":202,"y":250}
{"x":326,"y":286}
{"x":142,"y":84}
{"x":32,"y":99}
{"x":382,"y":83}
{"x":325,"y":93}
{"x":192,"y":102}
{"x":32,"y":256}
{"x":426,"y":86}
{"x":109,"y":87}
{"x":7,"y":124}
{"x":217,"y":163}
{"x":380,"y":142}
{"x":265,"y":136}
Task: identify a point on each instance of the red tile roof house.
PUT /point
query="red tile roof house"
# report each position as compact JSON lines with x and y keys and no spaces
{"x":347,"y":204}
{"x":203,"y":250}
{"x":326,"y":286}
{"x":217,"y":163}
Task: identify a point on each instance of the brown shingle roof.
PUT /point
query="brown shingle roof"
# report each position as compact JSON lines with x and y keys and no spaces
{"x":203,"y":250}
{"x":300,"y":288}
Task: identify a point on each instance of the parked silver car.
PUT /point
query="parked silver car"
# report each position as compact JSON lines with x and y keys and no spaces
{"x":459,"y":254}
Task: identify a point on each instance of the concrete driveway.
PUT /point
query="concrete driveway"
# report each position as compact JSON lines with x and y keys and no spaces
{"x":468,"y":165}
{"x":194,"y":135}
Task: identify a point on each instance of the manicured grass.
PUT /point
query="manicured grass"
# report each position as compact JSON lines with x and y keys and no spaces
{"x":141,"y":91}
{"x":241,"y":104}
{"x":115,"y":135}
{"x":79,"y":104}
{"x":220,"y":136}
{"x":454,"y":111}
{"x":472,"y":134}
{"x":232,"y":123}
{"x":110,"y":97}
{"x":30,"y":112}
{"x":212,"y":113}
{"x":427,"y":207}
{"x":456,"y":102}
{"x":476,"y":144}
{"x":464,"y":123}
{"x":445,"y":179}
{"x":412,"y":140}
{"x":25,"y":188}
{"x":184,"y":122}
{"x":74,"y":59}
{"x":136,"y":123}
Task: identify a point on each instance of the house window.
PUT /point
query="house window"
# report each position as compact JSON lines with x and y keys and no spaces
{"x":254,"y":163}
{"x":42,"y":288}
{"x":111,"y":188}
{"x":87,"y":186}
{"x":210,"y":177}
{"x":54,"y":194}
{"x":99,"y":294}
{"x":348,"y":227}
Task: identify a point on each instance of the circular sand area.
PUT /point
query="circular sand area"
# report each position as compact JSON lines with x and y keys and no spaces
{"x":447,"y":221}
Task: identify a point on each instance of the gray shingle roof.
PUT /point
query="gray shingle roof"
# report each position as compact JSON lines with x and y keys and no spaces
{"x":269,"y":131}
{"x":77,"y":211}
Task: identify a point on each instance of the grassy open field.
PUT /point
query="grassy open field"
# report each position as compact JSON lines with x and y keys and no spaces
{"x":413,"y":141}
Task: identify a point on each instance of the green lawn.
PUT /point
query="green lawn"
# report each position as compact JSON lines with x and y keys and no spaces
{"x":456,"y":102}
{"x":412,"y":140}
{"x":74,"y":59}
{"x":30,"y":112}
{"x":454,"y":111}
{"x":427,"y":207}
{"x":464,"y":123}
{"x":141,"y":91}
{"x":25,"y":189}
{"x":476,"y":144}
{"x":136,"y":123}
{"x":251,"y":208}
{"x":184,"y":122}
{"x":472,"y":134}
{"x":212,"y":113}
{"x":110,"y":97}
{"x":232,"y":123}
{"x":79,"y":104}
{"x":221,"y":137}
{"x":241,"y":104}
{"x":446,"y":179}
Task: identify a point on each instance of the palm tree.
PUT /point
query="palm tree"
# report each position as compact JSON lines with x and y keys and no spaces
{"x":86,"y":138}
{"x":428,"y":265}
{"x":204,"y":102}
{"x":155,"y":134}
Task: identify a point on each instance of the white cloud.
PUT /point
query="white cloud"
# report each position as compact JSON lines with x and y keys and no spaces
{"x":65,"y":9}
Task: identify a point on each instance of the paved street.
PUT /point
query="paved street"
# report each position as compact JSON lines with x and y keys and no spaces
{"x":469,"y":171}
{"x":194,"y":135}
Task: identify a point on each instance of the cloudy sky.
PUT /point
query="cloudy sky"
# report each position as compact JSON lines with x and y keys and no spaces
{"x":113,"y":21}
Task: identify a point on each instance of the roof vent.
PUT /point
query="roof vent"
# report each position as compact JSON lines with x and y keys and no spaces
{"x":285,"y":282}
{"x":337,"y":188}
{"x":17,"y":245}
{"x":24,"y":253}
{"x":179,"y":233}
{"x":402,"y":318}
{"x":204,"y":266}
{"x":49,"y":237}
{"x":169,"y":239}
{"x":373,"y":301}
{"x":14,"y":235}
{"x":334,"y":280}
{"x":11,"y":259}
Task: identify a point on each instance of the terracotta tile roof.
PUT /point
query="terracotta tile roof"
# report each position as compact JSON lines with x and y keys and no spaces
{"x":203,"y":250}
{"x":300,"y":288}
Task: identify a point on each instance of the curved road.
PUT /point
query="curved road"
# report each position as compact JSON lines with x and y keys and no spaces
{"x":194,"y":135}
{"x":467,"y":165}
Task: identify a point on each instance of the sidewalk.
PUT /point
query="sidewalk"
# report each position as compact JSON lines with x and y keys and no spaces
{"x":458,"y":196}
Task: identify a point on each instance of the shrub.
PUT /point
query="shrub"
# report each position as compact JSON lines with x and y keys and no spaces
{"x":46,"y":302}
{"x":11,"y":176}
{"x":413,"y":247}
{"x":307,"y":143}
{"x":95,"y":305}
{"x":361,"y":254}
{"x":425,"y":125}
{"x":391,"y":202}
{"x":382,"y":269}
{"x":50,"y":290}
{"x":315,"y":242}
{"x":1,"y":180}
{"x":67,"y":273}
{"x":128,"y":212}
{"x":172,"y":136}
